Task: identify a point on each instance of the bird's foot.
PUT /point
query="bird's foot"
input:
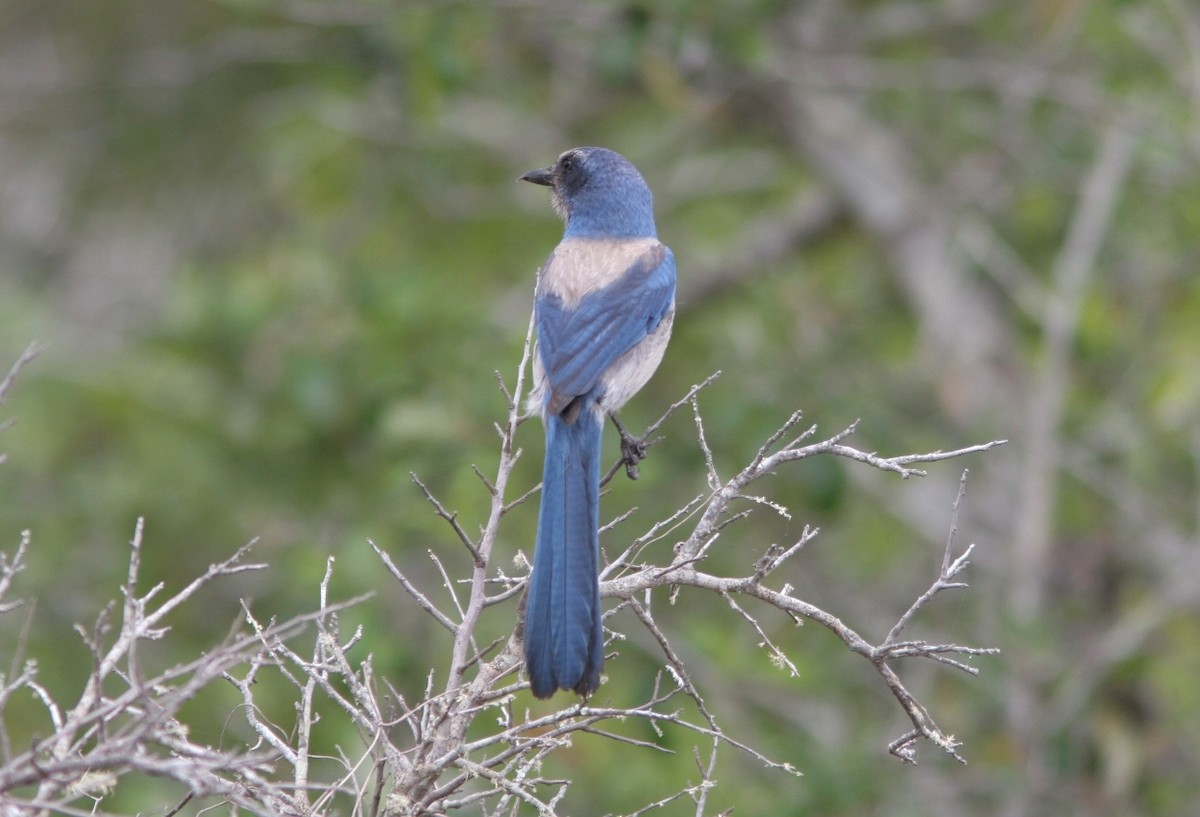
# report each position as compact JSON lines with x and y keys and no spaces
{"x":633,"y":449}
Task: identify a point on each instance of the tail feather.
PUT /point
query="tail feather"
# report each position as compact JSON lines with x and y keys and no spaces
{"x":564,"y":644}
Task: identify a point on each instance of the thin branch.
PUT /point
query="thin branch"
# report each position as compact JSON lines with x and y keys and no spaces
{"x":451,"y":518}
{"x":27,"y":357}
{"x":421,"y":599}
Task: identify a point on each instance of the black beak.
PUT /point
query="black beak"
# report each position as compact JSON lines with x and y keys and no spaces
{"x":543,"y":176}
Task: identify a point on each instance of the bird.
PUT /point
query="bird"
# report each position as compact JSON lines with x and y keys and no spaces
{"x":604,"y":305}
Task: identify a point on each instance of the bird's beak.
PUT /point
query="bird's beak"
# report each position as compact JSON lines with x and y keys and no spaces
{"x":543,"y":176}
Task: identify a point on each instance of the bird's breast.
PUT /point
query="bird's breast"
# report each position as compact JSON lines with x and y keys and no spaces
{"x":579,"y":266}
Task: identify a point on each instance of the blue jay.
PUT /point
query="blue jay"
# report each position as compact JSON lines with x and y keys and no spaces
{"x":603,"y":309}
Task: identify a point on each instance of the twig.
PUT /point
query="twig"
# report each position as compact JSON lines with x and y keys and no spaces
{"x":31,"y":352}
{"x":421,"y":599}
{"x":452,"y":518}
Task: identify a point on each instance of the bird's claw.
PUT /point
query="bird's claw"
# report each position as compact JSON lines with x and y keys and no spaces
{"x":633,"y":449}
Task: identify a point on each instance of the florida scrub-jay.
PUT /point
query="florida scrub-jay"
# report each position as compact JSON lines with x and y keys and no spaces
{"x":603,"y":309}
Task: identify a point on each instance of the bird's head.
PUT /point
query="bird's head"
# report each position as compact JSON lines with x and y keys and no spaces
{"x":598,"y":193}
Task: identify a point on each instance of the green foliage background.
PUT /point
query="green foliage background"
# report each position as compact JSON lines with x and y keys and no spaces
{"x":276,"y":252}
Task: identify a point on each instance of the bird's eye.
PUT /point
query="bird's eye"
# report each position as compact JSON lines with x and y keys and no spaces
{"x":567,"y":162}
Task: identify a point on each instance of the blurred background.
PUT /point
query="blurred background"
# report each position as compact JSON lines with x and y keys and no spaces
{"x":275,"y":252}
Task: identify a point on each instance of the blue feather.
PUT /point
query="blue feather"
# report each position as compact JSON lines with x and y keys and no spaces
{"x":564,"y":643}
{"x":579,"y":345}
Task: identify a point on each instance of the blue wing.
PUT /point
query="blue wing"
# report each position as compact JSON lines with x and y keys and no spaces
{"x":578,"y":345}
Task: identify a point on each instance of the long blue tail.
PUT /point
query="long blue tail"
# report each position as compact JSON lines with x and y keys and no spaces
{"x":564,"y":640}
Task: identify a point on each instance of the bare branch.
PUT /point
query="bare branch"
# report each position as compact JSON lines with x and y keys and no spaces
{"x":421,"y":599}
{"x":31,"y":352}
{"x":464,"y":741}
{"x":451,"y":518}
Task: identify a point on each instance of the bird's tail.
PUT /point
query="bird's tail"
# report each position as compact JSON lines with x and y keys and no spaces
{"x":564,"y":641}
